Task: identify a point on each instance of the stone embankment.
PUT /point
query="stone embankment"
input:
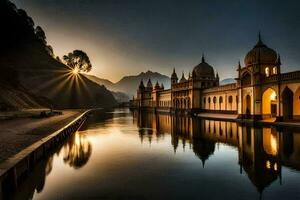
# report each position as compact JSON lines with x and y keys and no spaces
{"x":15,"y":167}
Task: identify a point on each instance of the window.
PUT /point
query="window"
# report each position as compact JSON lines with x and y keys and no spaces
{"x":267,"y":71}
{"x":230,"y":99}
{"x":220,"y":99}
{"x":274,"y":70}
{"x":204,"y":100}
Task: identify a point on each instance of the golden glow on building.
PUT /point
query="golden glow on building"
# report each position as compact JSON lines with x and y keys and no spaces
{"x":273,"y":96}
{"x":268,"y":164}
{"x":275,"y":167}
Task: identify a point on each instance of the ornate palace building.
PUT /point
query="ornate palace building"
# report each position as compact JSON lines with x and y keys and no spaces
{"x":261,"y":91}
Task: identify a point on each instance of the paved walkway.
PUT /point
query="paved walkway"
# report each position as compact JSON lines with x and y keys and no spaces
{"x":5,"y":115}
{"x":16,"y":134}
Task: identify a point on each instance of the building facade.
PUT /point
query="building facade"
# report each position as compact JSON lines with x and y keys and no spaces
{"x":261,"y":91}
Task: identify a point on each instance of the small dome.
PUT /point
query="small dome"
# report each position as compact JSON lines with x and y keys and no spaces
{"x":182,"y":78}
{"x":204,"y":70}
{"x":149,"y":84}
{"x":174,"y":75}
{"x":261,"y":54}
{"x":157,"y":86}
{"x":141,"y":86}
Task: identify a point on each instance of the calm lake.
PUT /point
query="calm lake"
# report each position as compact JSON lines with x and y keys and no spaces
{"x":125,"y":155}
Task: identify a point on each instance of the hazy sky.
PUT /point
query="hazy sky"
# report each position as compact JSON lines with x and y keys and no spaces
{"x":126,"y":37}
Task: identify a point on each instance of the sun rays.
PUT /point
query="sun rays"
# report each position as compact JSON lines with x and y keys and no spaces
{"x":66,"y":82}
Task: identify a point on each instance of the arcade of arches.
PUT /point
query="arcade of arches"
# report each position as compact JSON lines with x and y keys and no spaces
{"x":260,"y":91}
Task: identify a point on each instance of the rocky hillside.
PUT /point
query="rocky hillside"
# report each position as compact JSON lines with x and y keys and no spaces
{"x":25,"y":52}
{"x":119,"y":96}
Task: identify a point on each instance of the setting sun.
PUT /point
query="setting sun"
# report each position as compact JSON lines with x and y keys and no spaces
{"x":75,"y":71}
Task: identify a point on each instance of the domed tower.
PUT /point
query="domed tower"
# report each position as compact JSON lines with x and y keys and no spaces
{"x":261,"y":64}
{"x":174,"y":78}
{"x":263,"y":60}
{"x":141,"y":86}
{"x":157,"y":87}
{"x":182,"y":78}
{"x":203,"y":75}
{"x":140,"y":93}
{"x":149,"y":85}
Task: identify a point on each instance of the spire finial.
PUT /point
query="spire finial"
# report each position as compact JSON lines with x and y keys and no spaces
{"x":259,"y":42}
{"x":239,"y":65}
{"x":278,"y":59}
{"x":203,"y":59}
{"x":174,"y":70}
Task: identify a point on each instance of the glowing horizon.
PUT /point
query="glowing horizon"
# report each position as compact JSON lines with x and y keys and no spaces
{"x":126,"y":38}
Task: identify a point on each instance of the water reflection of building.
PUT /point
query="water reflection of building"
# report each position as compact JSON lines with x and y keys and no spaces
{"x":262,"y":151}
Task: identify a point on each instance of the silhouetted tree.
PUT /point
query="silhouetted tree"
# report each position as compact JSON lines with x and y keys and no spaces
{"x":39,"y":32}
{"x":58,"y":59}
{"x":28,"y":19}
{"x":78,"y":59}
{"x":49,"y":49}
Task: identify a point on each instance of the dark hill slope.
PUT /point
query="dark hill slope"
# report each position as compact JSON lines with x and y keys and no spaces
{"x":27,"y":55}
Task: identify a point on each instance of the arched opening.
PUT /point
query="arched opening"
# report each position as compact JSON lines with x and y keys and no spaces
{"x":204,"y":102}
{"x":184,"y":103}
{"x":267,"y":71}
{"x":287,"y":104}
{"x":220,"y":103}
{"x":230,"y":102}
{"x":297,"y":104}
{"x":209,"y":103}
{"x":248,"y":106}
{"x":188,"y":103}
{"x":275,"y":70}
{"x":269,"y":104}
{"x":215,"y":101}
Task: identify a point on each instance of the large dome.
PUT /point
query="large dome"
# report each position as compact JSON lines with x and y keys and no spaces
{"x":204,"y":70}
{"x":260,"y":54}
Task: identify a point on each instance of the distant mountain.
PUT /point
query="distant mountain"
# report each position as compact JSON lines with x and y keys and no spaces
{"x":119,"y":96}
{"x":107,"y":83}
{"x":227,"y":81}
{"x":25,"y":53}
{"x":129,"y":84}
